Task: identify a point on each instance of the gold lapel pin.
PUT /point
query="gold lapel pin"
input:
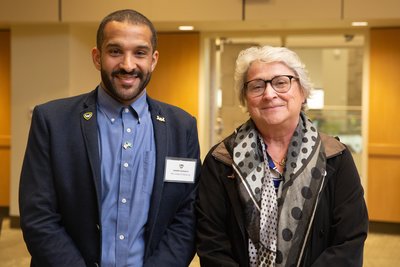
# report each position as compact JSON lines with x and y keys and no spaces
{"x":88,"y":115}
{"x":162,"y":119}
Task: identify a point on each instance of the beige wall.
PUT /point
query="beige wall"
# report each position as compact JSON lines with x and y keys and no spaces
{"x":48,"y":62}
{"x":40,"y":72}
{"x":83,"y":75}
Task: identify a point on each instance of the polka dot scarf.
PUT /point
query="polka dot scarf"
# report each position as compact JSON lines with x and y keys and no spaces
{"x":279,"y":240}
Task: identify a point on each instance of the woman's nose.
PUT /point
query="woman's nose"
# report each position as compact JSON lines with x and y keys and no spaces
{"x":269,"y":91}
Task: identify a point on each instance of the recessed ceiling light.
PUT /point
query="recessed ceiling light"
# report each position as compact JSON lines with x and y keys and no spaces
{"x":359,"y":23}
{"x":186,"y":28}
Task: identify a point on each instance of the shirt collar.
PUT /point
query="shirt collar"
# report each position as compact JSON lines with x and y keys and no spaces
{"x":112,"y":108}
{"x":140,"y":105}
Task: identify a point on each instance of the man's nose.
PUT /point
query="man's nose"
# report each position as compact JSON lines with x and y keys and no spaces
{"x":128,"y":63}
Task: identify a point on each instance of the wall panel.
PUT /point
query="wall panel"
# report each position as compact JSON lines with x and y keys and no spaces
{"x":384,"y":131}
{"x":364,"y":10}
{"x":176,"y":77}
{"x":12,"y":11}
{"x":293,"y":10}
{"x":156,"y":10}
{"x":5,"y":95}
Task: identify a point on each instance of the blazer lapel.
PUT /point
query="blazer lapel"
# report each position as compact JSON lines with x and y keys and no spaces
{"x":160,"y":123}
{"x":88,"y":117}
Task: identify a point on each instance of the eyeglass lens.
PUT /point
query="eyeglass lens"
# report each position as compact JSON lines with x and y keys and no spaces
{"x":280,"y":84}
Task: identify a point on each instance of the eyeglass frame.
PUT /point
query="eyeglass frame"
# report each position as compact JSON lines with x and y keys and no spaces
{"x":291,"y":77}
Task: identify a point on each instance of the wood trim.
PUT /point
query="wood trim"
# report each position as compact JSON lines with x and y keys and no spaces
{"x":384,"y":228}
{"x":4,"y":211}
{"x":389,"y":150}
{"x":15,"y":222}
{"x":5,"y":141}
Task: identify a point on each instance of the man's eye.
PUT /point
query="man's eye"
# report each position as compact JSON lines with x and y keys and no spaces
{"x":114,"y":52}
{"x":141,"y":53}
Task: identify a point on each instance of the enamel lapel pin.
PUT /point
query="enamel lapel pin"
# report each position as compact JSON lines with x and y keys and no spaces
{"x":87,"y":115}
{"x":159,"y":118}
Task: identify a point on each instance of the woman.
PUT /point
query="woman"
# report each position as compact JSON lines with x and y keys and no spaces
{"x":277,"y":192}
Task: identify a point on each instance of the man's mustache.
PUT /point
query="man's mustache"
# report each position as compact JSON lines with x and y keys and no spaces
{"x":137,"y":73}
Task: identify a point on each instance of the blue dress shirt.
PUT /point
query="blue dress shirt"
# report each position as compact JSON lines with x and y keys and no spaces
{"x":127,"y":154}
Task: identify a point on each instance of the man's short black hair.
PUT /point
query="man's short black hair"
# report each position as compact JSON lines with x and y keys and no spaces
{"x":130,"y":16}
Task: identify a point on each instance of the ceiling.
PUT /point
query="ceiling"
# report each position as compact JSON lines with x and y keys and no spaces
{"x":273,"y":25}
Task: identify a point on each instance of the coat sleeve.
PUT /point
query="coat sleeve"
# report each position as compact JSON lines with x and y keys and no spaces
{"x":214,"y":245}
{"x":176,"y":246}
{"x":45,"y":237}
{"x":349,"y":223}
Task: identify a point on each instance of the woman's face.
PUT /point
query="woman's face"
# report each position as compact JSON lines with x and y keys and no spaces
{"x":272,"y":108}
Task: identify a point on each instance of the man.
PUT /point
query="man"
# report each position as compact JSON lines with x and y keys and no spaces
{"x":109,"y":177}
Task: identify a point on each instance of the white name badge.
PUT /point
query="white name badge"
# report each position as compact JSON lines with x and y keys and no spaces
{"x":180,"y":170}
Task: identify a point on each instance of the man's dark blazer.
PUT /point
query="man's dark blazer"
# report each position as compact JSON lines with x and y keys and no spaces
{"x":60,"y":186}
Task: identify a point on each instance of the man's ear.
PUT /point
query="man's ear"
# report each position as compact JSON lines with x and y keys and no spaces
{"x":154,"y":60}
{"x":96,"y":57}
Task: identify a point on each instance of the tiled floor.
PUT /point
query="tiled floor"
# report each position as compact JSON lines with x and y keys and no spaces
{"x":13,"y":252}
{"x":382,"y":248}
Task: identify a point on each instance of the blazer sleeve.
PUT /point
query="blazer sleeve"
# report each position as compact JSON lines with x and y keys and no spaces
{"x":176,"y":247}
{"x":349,"y":224}
{"x":45,"y":237}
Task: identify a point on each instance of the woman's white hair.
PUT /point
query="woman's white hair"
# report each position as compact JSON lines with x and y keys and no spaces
{"x":269,"y":54}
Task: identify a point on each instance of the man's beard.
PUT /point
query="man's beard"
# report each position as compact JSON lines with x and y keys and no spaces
{"x":109,"y":86}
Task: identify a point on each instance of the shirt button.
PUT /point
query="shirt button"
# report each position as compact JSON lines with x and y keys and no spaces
{"x":126,"y":110}
{"x":121,"y":237}
{"x":126,"y":165}
{"x":123,"y":200}
{"x":129,"y":130}
{"x":112,"y":119}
